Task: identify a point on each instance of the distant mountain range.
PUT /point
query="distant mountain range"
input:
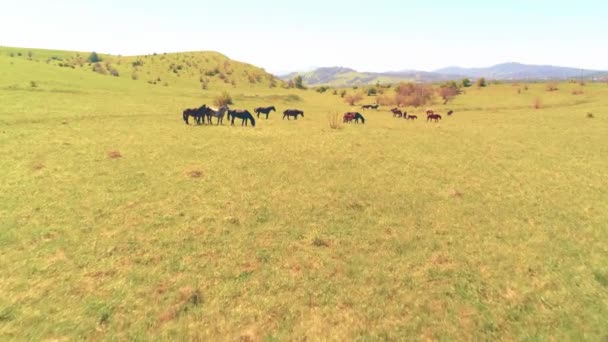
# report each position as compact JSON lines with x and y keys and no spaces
{"x":340,"y":76}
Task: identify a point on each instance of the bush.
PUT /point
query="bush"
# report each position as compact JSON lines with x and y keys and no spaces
{"x":466,"y":82}
{"x":322,"y":89}
{"x":416,"y":95}
{"x":299,"y":82}
{"x":98,"y":68}
{"x":33,"y":84}
{"x":448,"y":91}
{"x":137,"y":63}
{"x":481,"y":82}
{"x":385,"y":100}
{"x":538,"y":103}
{"x":352,"y":99}
{"x":94,"y":58}
{"x":372,"y":92}
{"x":114,"y":72}
{"x":223,"y":99}
{"x":134,"y":76}
{"x":552,"y":86}
{"x":577,"y":92}
{"x":343,"y":93}
{"x":334,"y":121}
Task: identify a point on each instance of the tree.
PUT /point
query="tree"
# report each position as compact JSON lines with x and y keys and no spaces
{"x":448,"y":91}
{"x":352,"y":99}
{"x":94,"y":58}
{"x":466,"y":82}
{"x":299,"y":83}
{"x":416,"y":95}
{"x":481,"y":82}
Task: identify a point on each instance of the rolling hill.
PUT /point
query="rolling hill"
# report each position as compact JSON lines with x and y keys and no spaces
{"x":205,"y":69}
{"x":341,"y":76}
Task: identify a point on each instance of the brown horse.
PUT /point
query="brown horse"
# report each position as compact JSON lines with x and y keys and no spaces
{"x":348,"y":117}
{"x":397,"y":113}
{"x":450,"y":112}
{"x":292,"y":112}
{"x":429,"y":112}
{"x":412,"y":117}
{"x":433,"y":117}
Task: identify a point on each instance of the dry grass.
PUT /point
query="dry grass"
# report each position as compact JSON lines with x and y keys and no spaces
{"x":334,"y":120}
{"x":537,"y":103}
{"x":577,"y":92}
{"x":552,"y":86}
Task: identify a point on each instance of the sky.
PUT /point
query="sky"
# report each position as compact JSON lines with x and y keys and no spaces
{"x":282,"y":36}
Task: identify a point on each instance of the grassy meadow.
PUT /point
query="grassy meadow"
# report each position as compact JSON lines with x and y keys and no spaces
{"x":120,"y":222}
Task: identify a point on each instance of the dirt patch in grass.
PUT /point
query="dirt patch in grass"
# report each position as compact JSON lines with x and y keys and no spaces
{"x":113,"y":154}
{"x":37,"y":166}
{"x":453,"y":193}
{"x":317,"y":242}
{"x":193,"y":173}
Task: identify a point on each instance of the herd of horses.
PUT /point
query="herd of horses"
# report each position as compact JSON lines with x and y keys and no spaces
{"x":430,"y":115}
{"x":205,"y":114}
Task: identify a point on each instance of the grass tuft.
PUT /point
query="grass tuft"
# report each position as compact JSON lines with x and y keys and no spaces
{"x":113,"y":154}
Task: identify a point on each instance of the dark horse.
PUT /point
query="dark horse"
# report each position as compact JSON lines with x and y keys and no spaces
{"x":197,"y":113}
{"x":374,"y":106}
{"x":412,"y":117}
{"x":350,"y":116}
{"x":241,"y":114}
{"x":292,"y":112}
{"x":450,"y":112}
{"x":264,"y":110}
{"x":433,"y":117}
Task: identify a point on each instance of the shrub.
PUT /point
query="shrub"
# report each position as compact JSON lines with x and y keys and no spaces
{"x":137,"y":63}
{"x":98,"y":68}
{"x":481,"y":82}
{"x":552,"y":86}
{"x":33,"y":84}
{"x":299,"y":82}
{"x":94,"y":58}
{"x":577,"y":92}
{"x":538,"y":103}
{"x":334,"y":120}
{"x":343,"y":93}
{"x":114,"y":72}
{"x":335,"y":92}
{"x":416,"y":95}
{"x":322,"y":89}
{"x":352,"y":99}
{"x":466,"y":82}
{"x":448,"y":91}
{"x":590,"y":115}
{"x":385,"y":100}
{"x":372,"y":92}
{"x":223,"y":99}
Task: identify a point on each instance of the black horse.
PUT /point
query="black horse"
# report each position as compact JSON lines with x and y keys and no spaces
{"x":374,"y":106}
{"x":358,"y":117}
{"x":241,"y":114}
{"x":292,"y":112}
{"x":264,"y":110}
{"x":197,"y":113}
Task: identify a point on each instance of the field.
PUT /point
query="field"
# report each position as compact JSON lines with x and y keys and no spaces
{"x":120,"y":222}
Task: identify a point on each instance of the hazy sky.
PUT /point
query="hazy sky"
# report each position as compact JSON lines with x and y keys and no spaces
{"x":290,"y":35}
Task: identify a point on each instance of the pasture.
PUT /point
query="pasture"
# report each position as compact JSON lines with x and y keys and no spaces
{"x":118,"y":221}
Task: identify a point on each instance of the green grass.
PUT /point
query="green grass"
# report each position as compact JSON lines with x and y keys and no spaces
{"x":489,"y":225}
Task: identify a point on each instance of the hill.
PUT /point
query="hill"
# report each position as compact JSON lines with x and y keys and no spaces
{"x":205,"y":69}
{"x":340,"y":76}
{"x":517,"y":71}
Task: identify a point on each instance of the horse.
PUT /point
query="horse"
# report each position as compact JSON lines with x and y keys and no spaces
{"x":264,"y":110}
{"x":218,"y":113}
{"x":397,"y":113}
{"x":348,"y":117}
{"x":412,"y":117}
{"x":374,"y":106}
{"x":292,"y":112}
{"x":197,"y":114}
{"x":450,"y":112}
{"x":241,"y":114}
{"x":432,"y":117}
{"x":429,"y":112}
{"x":353,"y":116}
{"x":366,"y":107}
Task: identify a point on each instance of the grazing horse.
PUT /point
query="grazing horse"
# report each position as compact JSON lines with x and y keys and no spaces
{"x":353,"y":116}
{"x":197,"y":114}
{"x":292,"y":112}
{"x":264,"y":110}
{"x":374,"y":106}
{"x":366,"y":106}
{"x":412,"y":117}
{"x":241,"y":114}
{"x":435,"y":117}
{"x":450,"y":112}
{"x":348,"y":117}
{"x":218,"y":113}
{"x":397,"y":113}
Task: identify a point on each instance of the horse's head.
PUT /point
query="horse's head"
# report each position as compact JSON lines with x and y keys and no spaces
{"x":301,"y":113}
{"x":272,"y":108}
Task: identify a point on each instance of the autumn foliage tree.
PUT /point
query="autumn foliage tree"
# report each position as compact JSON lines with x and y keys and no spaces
{"x":352,"y":99}
{"x":415,"y":95}
{"x":448,"y":91}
